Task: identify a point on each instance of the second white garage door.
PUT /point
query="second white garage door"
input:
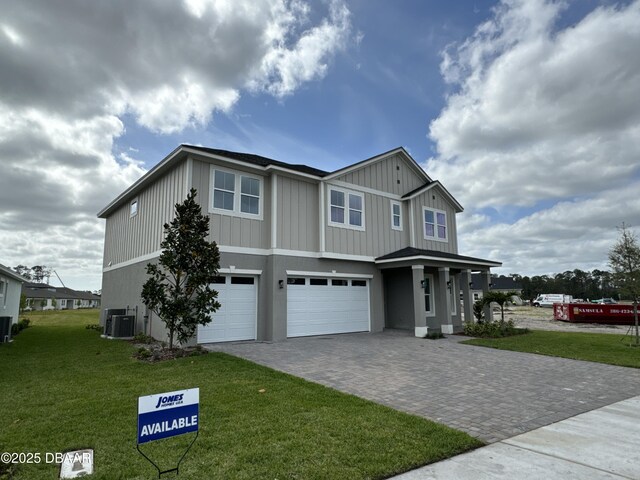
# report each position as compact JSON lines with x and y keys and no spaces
{"x":236,"y":318}
{"x":321,"y":306}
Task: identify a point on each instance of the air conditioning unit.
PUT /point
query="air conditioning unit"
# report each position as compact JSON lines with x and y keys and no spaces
{"x":108,"y":319}
{"x":5,"y":329}
{"x":123,"y":326}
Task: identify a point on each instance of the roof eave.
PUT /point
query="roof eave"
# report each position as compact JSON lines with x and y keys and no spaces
{"x":436,"y":183}
{"x":479,"y":262}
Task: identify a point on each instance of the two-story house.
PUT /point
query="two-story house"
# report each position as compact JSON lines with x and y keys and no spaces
{"x":303,"y":251}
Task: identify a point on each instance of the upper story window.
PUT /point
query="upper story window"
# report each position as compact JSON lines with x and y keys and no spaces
{"x":133,"y":208}
{"x":346,"y":209}
{"x":435,"y":225}
{"x":235,"y":193}
{"x":224,"y":187}
{"x":3,"y":292}
{"x":396,"y":215}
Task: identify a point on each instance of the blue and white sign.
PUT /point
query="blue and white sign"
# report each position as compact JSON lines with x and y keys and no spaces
{"x":168,"y":414}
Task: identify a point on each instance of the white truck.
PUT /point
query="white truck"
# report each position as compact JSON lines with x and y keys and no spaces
{"x":548,"y":299}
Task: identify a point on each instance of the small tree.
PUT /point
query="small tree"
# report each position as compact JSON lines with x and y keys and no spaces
{"x":501,"y":298}
{"x":177,"y":289}
{"x":23,"y":302}
{"x":478,"y":310}
{"x":624,"y":259}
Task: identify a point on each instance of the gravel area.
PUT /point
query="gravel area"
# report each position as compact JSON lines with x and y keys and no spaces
{"x":542,"y":319}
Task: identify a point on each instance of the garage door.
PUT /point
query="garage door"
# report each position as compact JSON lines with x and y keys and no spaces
{"x":320,"y":306}
{"x":236,"y":319}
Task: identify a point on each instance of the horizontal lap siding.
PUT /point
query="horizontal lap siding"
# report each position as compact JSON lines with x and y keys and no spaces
{"x":385,"y":176}
{"x":227,"y":229}
{"x":297,"y":214}
{"x":128,"y":237}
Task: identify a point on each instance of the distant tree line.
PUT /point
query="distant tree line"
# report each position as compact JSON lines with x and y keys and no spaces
{"x":37,"y":273}
{"x":577,"y":283}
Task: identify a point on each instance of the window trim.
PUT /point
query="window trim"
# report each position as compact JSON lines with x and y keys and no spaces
{"x":237,"y":194}
{"x":435,"y":238}
{"x":393,"y":226}
{"x":432,"y":311}
{"x":133,"y":202}
{"x":347,"y":209}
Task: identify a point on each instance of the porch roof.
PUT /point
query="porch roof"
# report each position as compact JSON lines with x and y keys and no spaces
{"x":420,"y":255}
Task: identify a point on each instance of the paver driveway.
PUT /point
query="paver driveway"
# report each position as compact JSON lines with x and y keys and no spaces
{"x":491,"y":394}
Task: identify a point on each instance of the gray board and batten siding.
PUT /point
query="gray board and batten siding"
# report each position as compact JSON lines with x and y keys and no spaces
{"x":392,"y":175}
{"x":434,"y":198}
{"x":128,"y":237}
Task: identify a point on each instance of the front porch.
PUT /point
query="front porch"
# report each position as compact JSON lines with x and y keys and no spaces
{"x":422,"y":289}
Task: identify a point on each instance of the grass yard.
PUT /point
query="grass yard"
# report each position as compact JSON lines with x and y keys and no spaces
{"x":65,"y":388}
{"x":593,"y":347}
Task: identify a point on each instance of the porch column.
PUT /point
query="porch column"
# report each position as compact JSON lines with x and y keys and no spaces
{"x":443,"y":302}
{"x":467,"y":300}
{"x":419,"y":313}
{"x":485,"y":281}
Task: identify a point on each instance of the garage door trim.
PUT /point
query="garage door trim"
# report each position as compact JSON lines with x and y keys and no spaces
{"x":298,"y":273}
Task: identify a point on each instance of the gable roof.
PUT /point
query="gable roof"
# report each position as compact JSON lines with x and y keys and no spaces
{"x":428,"y":186}
{"x":7,"y":272}
{"x":377,"y":158}
{"x":258,"y":161}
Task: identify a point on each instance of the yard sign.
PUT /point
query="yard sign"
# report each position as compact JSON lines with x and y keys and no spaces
{"x":168,"y":414}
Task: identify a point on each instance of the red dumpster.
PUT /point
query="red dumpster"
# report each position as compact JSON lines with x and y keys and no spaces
{"x":594,"y":313}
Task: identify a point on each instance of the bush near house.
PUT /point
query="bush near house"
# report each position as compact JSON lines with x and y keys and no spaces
{"x":497,"y":329}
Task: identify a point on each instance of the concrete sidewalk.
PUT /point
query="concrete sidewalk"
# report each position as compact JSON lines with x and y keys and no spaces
{"x":601,"y":444}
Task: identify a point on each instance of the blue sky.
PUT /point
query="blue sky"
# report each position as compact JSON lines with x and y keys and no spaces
{"x":527,"y":110}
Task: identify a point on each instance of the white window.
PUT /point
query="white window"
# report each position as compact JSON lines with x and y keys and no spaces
{"x":396,"y":215}
{"x":133,"y":208}
{"x":429,"y":307}
{"x":3,"y":292}
{"x":346,"y":209}
{"x":249,"y":195}
{"x":235,"y":193}
{"x":224,"y":185}
{"x":435,"y":225}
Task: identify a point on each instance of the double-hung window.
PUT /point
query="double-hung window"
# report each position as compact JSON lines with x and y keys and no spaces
{"x":224,"y":188}
{"x":435,"y":225}
{"x":346,"y":209}
{"x":235,"y":193}
{"x":250,"y":195}
{"x":396,"y":215}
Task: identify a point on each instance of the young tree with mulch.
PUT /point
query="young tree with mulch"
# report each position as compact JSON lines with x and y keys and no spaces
{"x":178,"y":288}
{"x":624,"y":259}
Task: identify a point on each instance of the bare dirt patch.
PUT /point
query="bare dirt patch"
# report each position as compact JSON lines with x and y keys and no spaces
{"x":542,"y":319}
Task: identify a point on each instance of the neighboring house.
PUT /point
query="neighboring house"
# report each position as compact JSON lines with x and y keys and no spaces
{"x":303,"y":251}
{"x":10,"y":289}
{"x":41,"y":296}
{"x":500,"y":283}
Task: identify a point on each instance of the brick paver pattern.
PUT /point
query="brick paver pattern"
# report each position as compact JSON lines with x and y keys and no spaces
{"x":490,"y":394}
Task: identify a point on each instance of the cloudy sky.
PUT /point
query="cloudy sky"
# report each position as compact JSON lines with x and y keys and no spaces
{"x":527,"y":110}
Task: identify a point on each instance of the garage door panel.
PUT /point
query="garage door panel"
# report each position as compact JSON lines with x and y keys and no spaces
{"x":326,"y":309}
{"x":236,"y":318}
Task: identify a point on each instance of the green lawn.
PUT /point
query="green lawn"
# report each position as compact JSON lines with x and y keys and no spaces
{"x":63,"y":388}
{"x":593,"y":347}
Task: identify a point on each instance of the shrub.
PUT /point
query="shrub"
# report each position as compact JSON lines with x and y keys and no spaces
{"x":142,"y":338}
{"x":15,"y":329}
{"x":478,"y":310}
{"x":434,"y":335}
{"x":24,"y":323}
{"x":497,"y":329}
{"x":142,"y":353}
{"x":95,"y":326}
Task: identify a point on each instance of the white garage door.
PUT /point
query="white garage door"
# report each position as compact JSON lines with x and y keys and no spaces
{"x":320,"y":306}
{"x":236,"y":319}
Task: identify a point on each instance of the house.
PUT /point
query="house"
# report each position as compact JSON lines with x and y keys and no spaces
{"x":370,"y":246}
{"x":500,"y":283}
{"x":42,"y":296}
{"x":10,"y":288}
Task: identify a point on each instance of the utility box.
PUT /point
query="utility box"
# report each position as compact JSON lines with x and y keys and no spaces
{"x":5,"y":329}
{"x":122,"y":326}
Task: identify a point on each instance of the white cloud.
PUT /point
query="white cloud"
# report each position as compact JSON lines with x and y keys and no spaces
{"x":70,"y":72}
{"x":547,"y":120}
